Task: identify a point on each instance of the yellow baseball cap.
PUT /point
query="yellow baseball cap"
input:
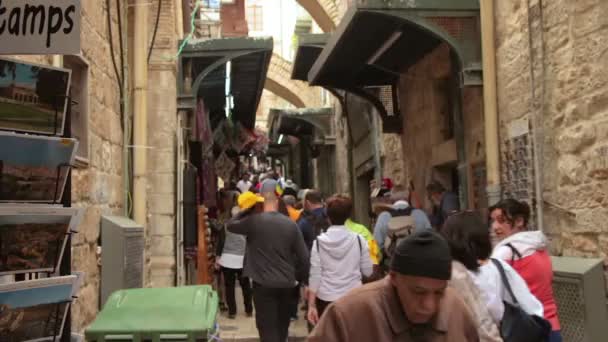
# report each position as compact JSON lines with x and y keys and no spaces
{"x":248,"y":199}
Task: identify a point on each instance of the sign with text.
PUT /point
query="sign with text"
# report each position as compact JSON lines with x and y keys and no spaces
{"x":40,"y":27}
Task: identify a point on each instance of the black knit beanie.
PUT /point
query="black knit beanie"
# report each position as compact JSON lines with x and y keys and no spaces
{"x":423,"y":254}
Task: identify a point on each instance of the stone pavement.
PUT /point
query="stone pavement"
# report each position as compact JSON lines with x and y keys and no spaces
{"x":243,"y":328}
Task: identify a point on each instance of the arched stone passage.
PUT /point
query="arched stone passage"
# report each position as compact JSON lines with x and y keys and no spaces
{"x":324,"y":12}
{"x":278,"y":81}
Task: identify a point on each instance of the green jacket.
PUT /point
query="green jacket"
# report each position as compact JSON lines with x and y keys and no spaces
{"x":374,"y":251}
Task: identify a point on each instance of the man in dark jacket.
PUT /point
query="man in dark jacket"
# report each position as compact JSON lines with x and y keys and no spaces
{"x":444,"y":203}
{"x":313,"y":220}
{"x":276,"y":260}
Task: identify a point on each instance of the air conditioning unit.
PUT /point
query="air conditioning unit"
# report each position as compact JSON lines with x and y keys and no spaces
{"x":580,"y":293}
{"x":122,"y":256}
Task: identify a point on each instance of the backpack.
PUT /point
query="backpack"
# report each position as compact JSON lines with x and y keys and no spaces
{"x":400,"y":226}
{"x":319,"y":223}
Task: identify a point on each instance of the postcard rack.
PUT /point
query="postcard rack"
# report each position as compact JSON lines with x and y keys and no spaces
{"x":66,"y":257}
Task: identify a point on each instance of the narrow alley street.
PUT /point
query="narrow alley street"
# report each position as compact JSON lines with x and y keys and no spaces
{"x":304,"y":170}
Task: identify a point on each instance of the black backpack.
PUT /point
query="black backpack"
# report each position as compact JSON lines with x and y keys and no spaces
{"x":320,"y":223}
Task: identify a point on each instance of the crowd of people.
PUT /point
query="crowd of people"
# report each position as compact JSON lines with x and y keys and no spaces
{"x":418,"y":275}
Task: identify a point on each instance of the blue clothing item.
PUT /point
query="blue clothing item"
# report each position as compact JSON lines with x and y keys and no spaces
{"x":306,"y":227}
{"x":421,"y":222}
{"x":449,"y":203}
{"x":555,"y":336}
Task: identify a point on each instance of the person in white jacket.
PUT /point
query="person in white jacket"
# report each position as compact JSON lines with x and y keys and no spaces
{"x":339,"y":260}
{"x":470,"y":243}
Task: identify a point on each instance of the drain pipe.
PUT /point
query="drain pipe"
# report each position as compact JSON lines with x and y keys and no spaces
{"x":140,"y":89}
{"x":490,"y":102}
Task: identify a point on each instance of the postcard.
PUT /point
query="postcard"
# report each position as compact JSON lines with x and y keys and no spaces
{"x":33,"y":97}
{"x":35,"y":310}
{"x":34,"y":168}
{"x":33,"y":238}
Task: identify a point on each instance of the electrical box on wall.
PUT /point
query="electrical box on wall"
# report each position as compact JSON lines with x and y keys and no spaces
{"x":580,"y":293}
{"x":122,"y":255}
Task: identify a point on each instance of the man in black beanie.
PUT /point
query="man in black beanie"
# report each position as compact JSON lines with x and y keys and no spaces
{"x":413,"y":303}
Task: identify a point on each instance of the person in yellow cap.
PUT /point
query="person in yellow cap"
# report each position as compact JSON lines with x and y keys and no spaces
{"x":248,"y":200}
{"x":276,"y":259}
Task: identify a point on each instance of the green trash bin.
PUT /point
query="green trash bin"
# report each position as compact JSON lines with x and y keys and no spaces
{"x":157,"y":314}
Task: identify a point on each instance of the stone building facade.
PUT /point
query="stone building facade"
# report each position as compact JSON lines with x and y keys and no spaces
{"x":552,"y":60}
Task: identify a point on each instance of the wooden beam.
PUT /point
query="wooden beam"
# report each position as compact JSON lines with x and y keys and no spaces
{"x":204,"y":275}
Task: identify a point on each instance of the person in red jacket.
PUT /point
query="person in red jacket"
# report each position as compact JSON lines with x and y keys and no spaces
{"x":527,"y":252}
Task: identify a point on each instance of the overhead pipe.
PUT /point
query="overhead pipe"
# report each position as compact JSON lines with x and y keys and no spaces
{"x":488,"y":50}
{"x":140,"y":132}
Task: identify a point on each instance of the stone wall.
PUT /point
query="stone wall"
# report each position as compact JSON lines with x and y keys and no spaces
{"x":393,"y":166}
{"x":98,"y":186}
{"x":298,"y":93}
{"x":421,"y":115}
{"x":429,"y":148}
{"x":343,"y":167}
{"x":555,"y":73}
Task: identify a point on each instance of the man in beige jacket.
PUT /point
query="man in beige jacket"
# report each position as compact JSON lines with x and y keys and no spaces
{"x":412,"y":304}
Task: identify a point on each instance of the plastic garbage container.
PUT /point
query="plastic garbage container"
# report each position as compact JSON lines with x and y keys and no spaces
{"x":158,"y":314}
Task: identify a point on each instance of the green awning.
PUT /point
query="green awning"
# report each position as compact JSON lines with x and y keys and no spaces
{"x":378,"y":39}
{"x":309,"y":49}
{"x":308,"y":122}
{"x":202,"y":73}
{"x":277,"y":150}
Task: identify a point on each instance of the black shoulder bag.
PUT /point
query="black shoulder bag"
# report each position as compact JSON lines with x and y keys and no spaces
{"x":517,"y":325}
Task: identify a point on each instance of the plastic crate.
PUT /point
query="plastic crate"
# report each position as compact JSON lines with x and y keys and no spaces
{"x":158,"y":314}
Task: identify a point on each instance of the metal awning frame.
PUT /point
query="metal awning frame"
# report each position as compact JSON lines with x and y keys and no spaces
{"x":417,"y":13}
{"x":322,"y":135}
{"x":225,"y":49}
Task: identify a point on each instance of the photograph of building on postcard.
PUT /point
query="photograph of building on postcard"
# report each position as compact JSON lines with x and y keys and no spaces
{"x":33,"y":98}
{"x":34,"y":310}
{"x":33,"y":239}
{"x":34,"y":168}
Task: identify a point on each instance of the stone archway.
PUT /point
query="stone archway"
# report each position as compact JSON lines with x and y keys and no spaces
{"x":279,"y":82}
{"x":324,"y":12}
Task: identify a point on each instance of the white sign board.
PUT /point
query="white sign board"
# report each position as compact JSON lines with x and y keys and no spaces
{"x":40,"y":27}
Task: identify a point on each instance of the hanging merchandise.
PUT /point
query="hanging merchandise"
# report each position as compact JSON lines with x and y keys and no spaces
{"x":243,"y":137}
{"x":260,"y":144}
{"x":224,"y":167}
{"x":209,"y":183}
{"x":203,"y":132}
{"x":219,"y":135}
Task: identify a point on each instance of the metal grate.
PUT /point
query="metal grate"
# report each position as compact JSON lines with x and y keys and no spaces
{"x":571,"y":310}
{"x":134,"y":261}
{"x":385,"y":95}
{"x":459,"y":28}
{"x":518,"y":166}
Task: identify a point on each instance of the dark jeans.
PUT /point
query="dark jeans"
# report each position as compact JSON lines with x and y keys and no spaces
{"x":273,"y":309}
{"x":555,"y":336}
{"x":296,"y":301}
{"x":230,"y":276}
{"x":321,"y":306}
